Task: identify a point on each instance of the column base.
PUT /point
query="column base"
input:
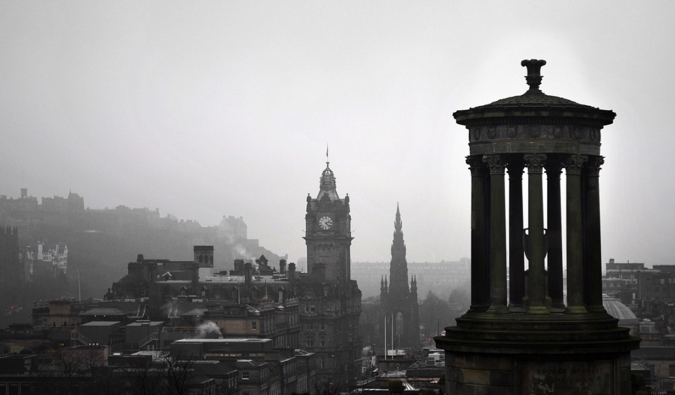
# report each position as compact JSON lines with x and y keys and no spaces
{"x":538,"y":310}
{"x":596,"y":309}
{"x":576,"y":310}
{"x":478,"y":308}
{"x":498,"y":309}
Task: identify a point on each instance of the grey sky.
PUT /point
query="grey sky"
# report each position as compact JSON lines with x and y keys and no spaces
{"x":207,"y":108}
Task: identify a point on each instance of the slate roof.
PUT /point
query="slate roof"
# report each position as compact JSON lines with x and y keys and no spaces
{"x":199,"y":311}
{"x":101,"y":323}
{"x":103,"y":311}
{"x":535,"y":98}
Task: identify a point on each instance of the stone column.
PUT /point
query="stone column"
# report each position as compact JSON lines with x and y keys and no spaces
{"x":536,"y":243}
{"x":497,"y":235}
{"x":554,"y":234}
{"x":575,"y":256}
{"x":480,"y":270}
{"x":516,"y":253}
{"x":592,"y":242}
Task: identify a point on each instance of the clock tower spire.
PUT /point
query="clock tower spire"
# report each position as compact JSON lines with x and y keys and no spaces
{"x":328,"y":231}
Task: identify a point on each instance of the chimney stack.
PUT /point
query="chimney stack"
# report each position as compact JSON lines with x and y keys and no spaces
{"x":248,"y":272}
{"x":282,"y":266}
{"x":291,"y":273}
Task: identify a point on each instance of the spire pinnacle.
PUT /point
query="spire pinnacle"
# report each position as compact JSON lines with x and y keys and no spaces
{"x":397,"y":223}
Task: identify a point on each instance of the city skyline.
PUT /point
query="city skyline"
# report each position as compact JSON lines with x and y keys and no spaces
{"x":226,"y":109}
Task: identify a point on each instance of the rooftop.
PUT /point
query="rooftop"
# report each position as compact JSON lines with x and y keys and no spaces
{"x":101,"y":323}
{"x":227,"y":340}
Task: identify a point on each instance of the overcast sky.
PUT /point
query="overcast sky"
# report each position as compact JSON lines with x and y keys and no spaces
{"x":212,"y":108}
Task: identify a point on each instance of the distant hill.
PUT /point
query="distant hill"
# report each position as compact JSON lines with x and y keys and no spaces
{"x":102,"y":242}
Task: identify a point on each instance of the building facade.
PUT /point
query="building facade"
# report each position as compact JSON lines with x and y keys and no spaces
{"x":12,"y":269}
{"x":330,"y":301}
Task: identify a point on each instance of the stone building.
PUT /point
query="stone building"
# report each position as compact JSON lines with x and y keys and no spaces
{"x":12,"y":269}
{"x":330,"y":301}
{"x":398,"y":302}
{"x":520,"y":335}
{"x":262,"y":369}
{"x":318,"y":311}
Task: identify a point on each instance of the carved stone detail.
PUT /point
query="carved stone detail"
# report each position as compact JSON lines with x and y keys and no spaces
{"x":476,"y":165}
{"x":511,"y":132}
{"x":476,"y":134}
{"x":595,"y":134}
{"x":577,"y":132}
{"x":495,"y":163}
{"x":492,"y":133}
{"x":574,"y":163}
{"x":534,"y":162}
{"x":594,"y":164}
{"x":533,"y":131}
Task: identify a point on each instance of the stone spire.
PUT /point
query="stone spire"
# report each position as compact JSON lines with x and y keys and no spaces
{"x":327,"y":186}
{"x":398,"y":270}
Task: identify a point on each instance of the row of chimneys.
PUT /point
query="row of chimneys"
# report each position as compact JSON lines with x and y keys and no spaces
{"x":247,"y":269}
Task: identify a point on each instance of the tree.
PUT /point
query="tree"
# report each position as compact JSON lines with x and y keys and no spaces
{"x":459,"y":298}
{"x":168,"y":375}
{"x":435,"y":314}
{"x":178,"y":372}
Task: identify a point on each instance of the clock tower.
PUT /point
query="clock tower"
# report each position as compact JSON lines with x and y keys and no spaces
{"x":328,"y":232}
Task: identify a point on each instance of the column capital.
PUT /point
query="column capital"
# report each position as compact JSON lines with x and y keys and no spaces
{"x":553,"y":168}
{"x":534,"y":163}
{"x":574,"y":163}
{"x":495,"y":163}
{"x":594,"y":164}
{"x":475,"y":164}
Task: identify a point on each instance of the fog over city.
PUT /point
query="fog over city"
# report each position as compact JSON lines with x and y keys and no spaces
{"x":209,"y":108}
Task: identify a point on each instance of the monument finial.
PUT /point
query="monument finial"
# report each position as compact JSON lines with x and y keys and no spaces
{"x":533,"y":77}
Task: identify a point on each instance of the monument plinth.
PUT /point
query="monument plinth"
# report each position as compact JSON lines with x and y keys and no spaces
{"x":533,"y":340}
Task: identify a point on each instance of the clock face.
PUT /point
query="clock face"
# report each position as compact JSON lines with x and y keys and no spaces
{"x":325,"y":223}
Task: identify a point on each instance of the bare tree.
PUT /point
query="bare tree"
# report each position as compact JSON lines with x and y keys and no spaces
{"x":178,"y":372}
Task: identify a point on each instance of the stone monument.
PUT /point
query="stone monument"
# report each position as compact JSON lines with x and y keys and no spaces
{"x":521,"y":335}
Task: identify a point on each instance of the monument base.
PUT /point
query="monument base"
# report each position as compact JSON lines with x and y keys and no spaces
{"x":563,"y":354}
{"x":524,"y":374}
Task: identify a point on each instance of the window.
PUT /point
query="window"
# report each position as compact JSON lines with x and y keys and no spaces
{"x":254,"y":325}
{"x":244,"y":375}
{"x":323,"y":326}
{"x":671,"y":370}
{"x":312,"y":308}
{"x":323,"y":343}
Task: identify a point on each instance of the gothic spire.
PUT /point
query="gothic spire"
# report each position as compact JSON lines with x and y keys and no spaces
{"x":397,"y":223}
{"x":398,"y":269}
